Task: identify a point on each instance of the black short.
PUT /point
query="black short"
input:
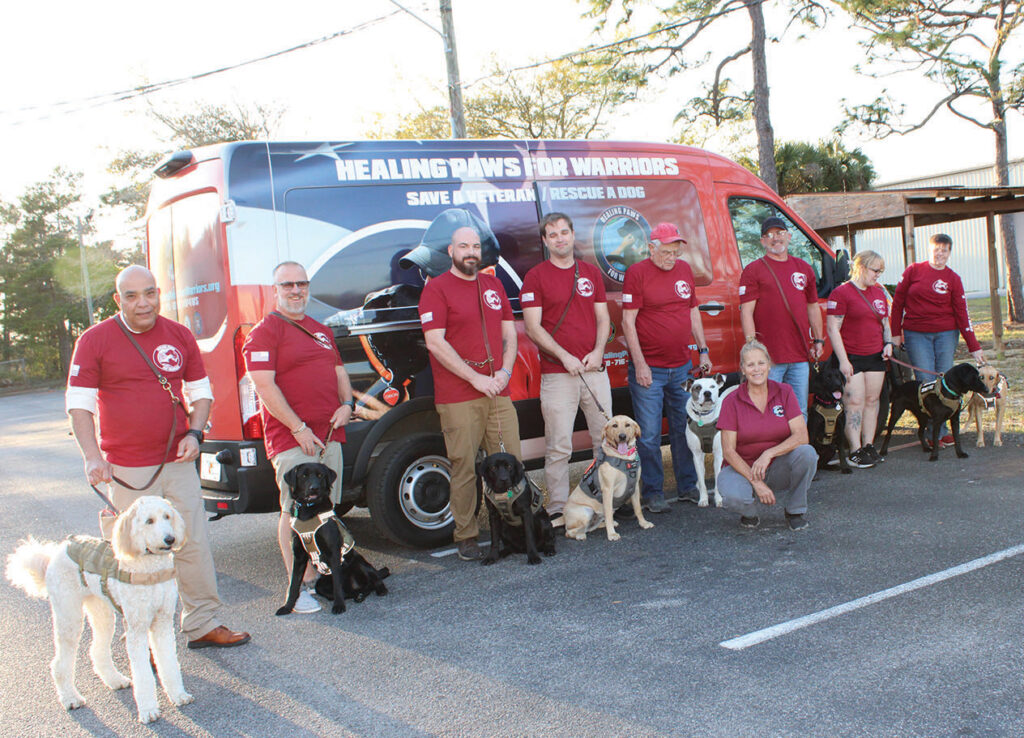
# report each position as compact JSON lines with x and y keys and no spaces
{"x":869,"y":363}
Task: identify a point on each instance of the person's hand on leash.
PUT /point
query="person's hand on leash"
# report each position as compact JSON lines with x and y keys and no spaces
{"x":341,"y":417}
{"x":763,"y":492}
{"x":592,"y":362}
{"x":308,"y":441}
{"x":817,"y":351}
{"x":98,"y":470}
{"x":705,"y":363}
{"x":574,"y":366}
{"x":887,"y":351}
{"x":188,"y":449}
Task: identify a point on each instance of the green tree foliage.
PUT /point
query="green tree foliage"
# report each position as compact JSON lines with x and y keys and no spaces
{"x":566,"y":100}
{"x":972,"y":50}
{"x":671,"y":46}
{"x":823,"y":167}
{"x":44,"y":307}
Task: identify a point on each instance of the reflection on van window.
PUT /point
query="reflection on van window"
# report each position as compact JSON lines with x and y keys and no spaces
{"x":748,"y":213}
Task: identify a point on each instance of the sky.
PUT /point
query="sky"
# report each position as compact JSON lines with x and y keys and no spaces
{"x":53,"y":51}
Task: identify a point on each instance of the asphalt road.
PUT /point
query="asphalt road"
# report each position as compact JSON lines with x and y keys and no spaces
{"x":604,"y":639}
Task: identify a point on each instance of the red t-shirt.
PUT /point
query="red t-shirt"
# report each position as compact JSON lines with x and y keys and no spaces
{"x":757,"y":431}
{"x":135,"y":411}
{"x":775,"y":329}
{"x":548,"y":287}
{"x":664,"y":300}
{"x":454,"y":304}
{"x":931,"y":300}
{"x":305,"y":372}
{"x":862,"y":329}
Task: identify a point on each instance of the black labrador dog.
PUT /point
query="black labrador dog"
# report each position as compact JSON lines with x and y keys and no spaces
{"x":317,"y":533}
{"x":519,"y":522}
{"x":826,"y":418}
{"x":934,"y":402}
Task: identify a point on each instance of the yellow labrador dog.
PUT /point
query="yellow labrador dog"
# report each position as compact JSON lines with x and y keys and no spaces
{"x":995,"y":381}
{"x":611,"y":480}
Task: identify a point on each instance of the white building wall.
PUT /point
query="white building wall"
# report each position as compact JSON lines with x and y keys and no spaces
{"x":970,"y":246}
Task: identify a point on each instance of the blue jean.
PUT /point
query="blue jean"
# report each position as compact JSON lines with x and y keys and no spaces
{"x":795,"y":375}
{"x":665,"y":395}
{"x":932,"y":351}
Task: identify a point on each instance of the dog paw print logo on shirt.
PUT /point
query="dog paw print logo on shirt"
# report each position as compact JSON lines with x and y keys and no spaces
{"x":799,"y":280}
{"x":940,"y":286}
{"x":777,"y":411}
{"x":584,"y":287}
{"x":168,"y":357}
{"x":492,"y":299}
{"x":322,"y":339}
{"x":683,"y":289}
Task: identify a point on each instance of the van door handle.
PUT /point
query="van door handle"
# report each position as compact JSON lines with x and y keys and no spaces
{"x":711,"y":308}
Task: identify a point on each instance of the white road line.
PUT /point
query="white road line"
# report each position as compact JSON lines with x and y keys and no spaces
{"x":450,"y":551}
{"x":766,"y":634}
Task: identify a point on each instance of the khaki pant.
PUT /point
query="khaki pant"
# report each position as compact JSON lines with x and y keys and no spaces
{"x":288,"y":460}
{"x":197,"y":578}
{"x":560,"y":397}
{"x":467,"y":426}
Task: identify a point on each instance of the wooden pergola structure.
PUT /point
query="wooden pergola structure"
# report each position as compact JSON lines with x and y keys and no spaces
{"x":843,"y":213}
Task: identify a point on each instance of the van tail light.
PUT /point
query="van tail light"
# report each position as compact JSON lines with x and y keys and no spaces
{"x":248,"y":400}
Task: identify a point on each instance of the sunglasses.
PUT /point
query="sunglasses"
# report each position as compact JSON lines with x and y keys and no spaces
{"x":302,"y":284}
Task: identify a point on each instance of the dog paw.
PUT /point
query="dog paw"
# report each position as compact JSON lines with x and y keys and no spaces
{"x":73,"y":701}
{"x":703,"y":502}
{"x":338,"y":607}
{"x":283,"y":610}
{"x":997,"y":442}
{"x":962,"y":454}
{"x":646,"y":524}
{"x":614,"y":536}
{"x":117,"y":680}
{"x":534,"y":559}
{"x":488,"y":560}
{"x":181,"y":698}
{"x":149,"y":714}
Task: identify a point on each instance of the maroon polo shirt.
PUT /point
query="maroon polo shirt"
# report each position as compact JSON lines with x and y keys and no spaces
{"x":758,"y":431}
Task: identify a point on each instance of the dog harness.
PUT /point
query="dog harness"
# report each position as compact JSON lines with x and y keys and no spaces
{"x":306,"y":531}
{"x":830,"y":414}
{"x":96,"y":556}
{"x":503,"y":501}
{"x":630,"y":467}
{"x":935,"y":388}
{"x":705,"y":432}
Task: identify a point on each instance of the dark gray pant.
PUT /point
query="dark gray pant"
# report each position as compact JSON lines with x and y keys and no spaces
{"x":789,"y":477}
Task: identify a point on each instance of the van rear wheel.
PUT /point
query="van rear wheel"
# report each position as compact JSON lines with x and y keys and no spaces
{"x":408,"y":491}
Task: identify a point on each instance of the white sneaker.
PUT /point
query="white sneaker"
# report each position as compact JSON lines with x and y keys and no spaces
{"x":306,"y":603}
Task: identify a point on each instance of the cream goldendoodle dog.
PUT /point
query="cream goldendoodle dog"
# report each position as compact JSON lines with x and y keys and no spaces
{"x":133,"y":575}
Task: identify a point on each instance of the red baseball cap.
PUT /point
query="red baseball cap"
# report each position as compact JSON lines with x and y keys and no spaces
{"x":666,"y":233}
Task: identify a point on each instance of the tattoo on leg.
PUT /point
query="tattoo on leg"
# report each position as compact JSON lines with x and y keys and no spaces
{"x":853,"y":420}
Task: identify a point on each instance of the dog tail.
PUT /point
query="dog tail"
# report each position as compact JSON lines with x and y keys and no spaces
{"x":26,"y":567}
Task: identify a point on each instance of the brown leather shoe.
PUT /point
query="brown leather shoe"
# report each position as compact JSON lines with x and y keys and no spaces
{"x":469,"y":550}
{"x":220,"y":637}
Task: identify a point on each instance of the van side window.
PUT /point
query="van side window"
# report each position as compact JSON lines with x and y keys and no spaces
{"x":748,"y":213}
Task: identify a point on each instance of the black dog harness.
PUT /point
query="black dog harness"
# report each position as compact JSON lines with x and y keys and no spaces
{"x":503,"y":501}
{"x":306,"y":531}
{"x":705,"y":432}
{"x":935,"y":389}
{"x":630,"y":467}
{"x":829,"y":412}
{"x":96,"y":556}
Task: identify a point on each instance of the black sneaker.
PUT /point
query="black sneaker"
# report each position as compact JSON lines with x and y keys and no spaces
{"x":751,"y":522}
{"x":691,"y":495}
{"x":655,"y":503}
{"x":796,"y":522}
{"x":860,"y":459}
{"x":625,"y":513}
{"x":874,"y":455}
{"x":469,"y":550}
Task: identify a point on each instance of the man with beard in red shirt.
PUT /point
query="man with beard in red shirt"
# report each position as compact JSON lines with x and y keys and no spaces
{"x":470,"y":332}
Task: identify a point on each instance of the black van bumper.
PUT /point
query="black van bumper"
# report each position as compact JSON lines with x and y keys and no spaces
{"x":231,"y":488}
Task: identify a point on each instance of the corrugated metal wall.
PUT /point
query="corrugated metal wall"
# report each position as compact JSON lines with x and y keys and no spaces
{"x":969,"y":258}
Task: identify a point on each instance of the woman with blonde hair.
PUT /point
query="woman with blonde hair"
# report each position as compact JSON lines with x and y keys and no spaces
{"x":858,"y":326}
{"x":764,"y":443}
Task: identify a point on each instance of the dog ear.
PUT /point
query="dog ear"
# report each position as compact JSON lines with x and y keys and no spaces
{"x":636,"y":429}
{"x":178,"y":526}
{"x":289,"y":476}
{"x":720,"y":379}
{"x":687,"y":384}
{"x":331,"y":476}
{"x":123,"y":538}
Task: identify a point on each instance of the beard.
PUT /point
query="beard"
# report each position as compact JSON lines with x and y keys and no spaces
{"x":467,"y":268}
{"x":289,"y":306}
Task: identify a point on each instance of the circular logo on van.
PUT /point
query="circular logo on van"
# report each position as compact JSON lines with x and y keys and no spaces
{"x":620,"y":240}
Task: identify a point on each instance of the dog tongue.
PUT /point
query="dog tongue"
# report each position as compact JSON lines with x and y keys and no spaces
{"x":623,"y":449}
{"x":837,"y":394}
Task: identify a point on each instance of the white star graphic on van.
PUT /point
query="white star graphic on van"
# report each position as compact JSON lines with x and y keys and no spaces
{"x":324,"y":149}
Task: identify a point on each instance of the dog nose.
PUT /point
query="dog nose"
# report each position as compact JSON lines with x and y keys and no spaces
{"x":169,"y":539}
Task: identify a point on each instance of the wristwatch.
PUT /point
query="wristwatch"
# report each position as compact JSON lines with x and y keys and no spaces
{"x":196,"y":434}
{"x":819,"y":341}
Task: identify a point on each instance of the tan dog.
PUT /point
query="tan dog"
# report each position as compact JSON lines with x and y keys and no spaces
{"x":611,"y":480}
{"x":997,"y":386}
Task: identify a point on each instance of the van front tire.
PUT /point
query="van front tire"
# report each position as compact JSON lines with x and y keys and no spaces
{"x":408,"y":491}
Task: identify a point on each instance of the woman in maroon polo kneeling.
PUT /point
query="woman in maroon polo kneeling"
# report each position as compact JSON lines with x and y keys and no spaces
{"x":764,"y":443}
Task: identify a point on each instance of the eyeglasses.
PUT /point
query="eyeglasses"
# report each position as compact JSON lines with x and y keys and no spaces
{"x":302,"y":284}
{"x":876,"y":271}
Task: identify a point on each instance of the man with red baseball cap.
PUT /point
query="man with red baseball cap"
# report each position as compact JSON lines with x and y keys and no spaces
{"x":659,"y":320}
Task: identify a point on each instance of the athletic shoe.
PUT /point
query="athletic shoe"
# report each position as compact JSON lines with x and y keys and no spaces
{"x":469,"y":550}
{"x":690,"y":495}
{"x":558,"y":520}
{"x":834,"y":461}
{"x":624,"y":513}
{"x":796,"y":522}
{"x":655,"y":503}
{"x":872,"y":454}
{"x":860,"y":459}
{"x":946,"y":441}
{"x":306,"y":602}
{"x":751,"y":522}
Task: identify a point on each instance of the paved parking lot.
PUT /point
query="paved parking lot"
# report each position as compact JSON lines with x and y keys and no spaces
{"x":631,"y":638}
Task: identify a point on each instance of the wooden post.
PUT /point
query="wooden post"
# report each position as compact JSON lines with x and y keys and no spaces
{"x":993,"y":285}
{"x":908,"y":240}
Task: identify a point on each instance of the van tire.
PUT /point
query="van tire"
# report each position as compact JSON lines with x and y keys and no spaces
{"x":408,"y":491}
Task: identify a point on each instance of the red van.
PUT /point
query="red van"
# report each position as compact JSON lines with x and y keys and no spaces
{"x":359,"y":216}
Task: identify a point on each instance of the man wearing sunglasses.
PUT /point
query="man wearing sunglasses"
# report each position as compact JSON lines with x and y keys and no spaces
{"x":305,"y":398}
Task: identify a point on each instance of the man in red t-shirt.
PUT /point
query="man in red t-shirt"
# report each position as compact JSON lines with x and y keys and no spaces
{"x":458,"y":310}
{"x":110,"y":378}
{"x":779,"y":307}
{"x":305,"y":398}
{"x":659,"y":319}
{"x":566,"y":315}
